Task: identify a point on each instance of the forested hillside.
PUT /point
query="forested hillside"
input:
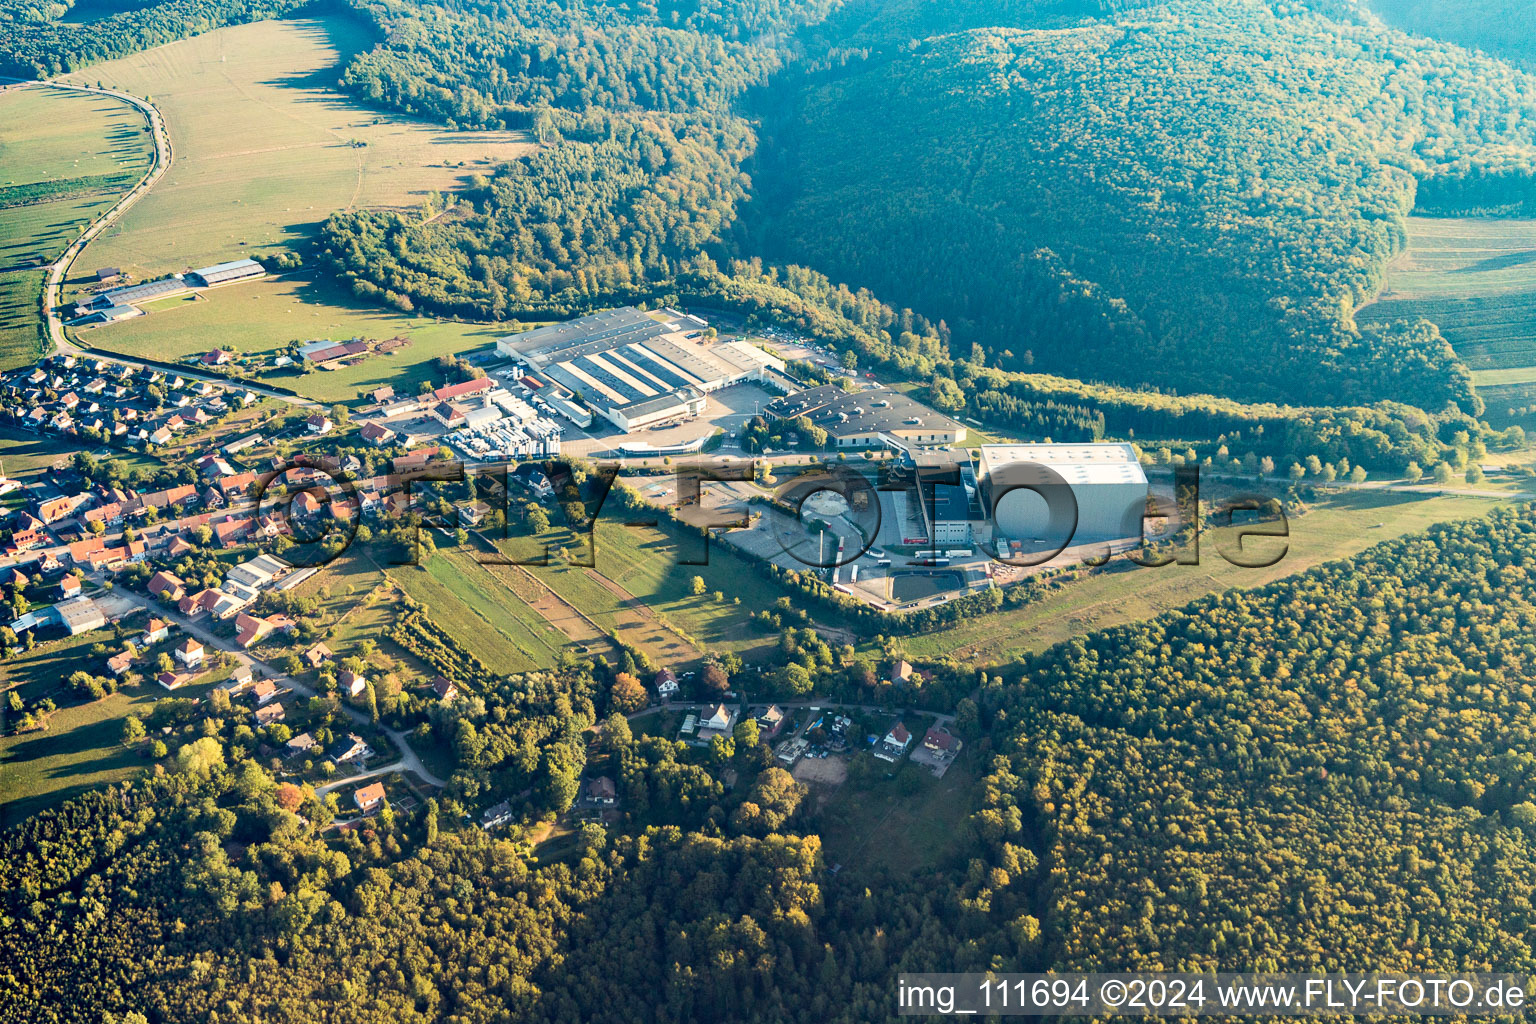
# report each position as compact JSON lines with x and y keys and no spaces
{"x":1335,"y":772}
{"x":1503,"y":28}
{"x":40,"y":38}
{"x":1178,"y":198}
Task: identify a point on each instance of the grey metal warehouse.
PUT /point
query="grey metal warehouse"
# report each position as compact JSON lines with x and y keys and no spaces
{"x":1106,"y":479}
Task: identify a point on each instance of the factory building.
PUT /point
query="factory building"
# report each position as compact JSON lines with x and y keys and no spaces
{"x":1106,"y":480}
{"x":635,"y":369}
{"x":869,"y":419}
{"x":949,"y":510}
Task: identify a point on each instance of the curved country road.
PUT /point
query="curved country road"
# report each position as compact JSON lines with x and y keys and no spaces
{"x":58,"y":270}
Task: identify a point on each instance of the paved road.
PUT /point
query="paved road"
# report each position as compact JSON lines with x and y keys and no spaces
{"x":58,"y":270}
{"x":409,"y":760}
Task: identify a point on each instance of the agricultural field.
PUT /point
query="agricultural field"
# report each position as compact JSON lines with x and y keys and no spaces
{"x":265,"y":150}
{"x":638,"y":593}
{"x":1343,"y":526}
{"x":1475,"y":279}
{"x":65,"y":158}
{"x":480,"y":611}
{"x":266,"y":315}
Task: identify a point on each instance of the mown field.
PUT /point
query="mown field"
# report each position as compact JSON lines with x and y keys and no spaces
{"x":65,"y":158}
{"x":266,"y":148}
{"x":82,"y":747}
{"x":266,"y":315}
{"x":1344,"y":526}
{"x":1476,"y":279}
{"x":480,"y":611}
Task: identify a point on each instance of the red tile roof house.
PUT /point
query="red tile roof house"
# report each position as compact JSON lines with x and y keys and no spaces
{"x":941,"y":741}
{"x":169,"y":585}
{"x":232,"y":531}
{"x":250,"y":630}
{"x":444,"y":688}
{"x":369,"y":798}
{"x":375,"y":434}
{"x":190,"y":653}
{"x":468,"y":387}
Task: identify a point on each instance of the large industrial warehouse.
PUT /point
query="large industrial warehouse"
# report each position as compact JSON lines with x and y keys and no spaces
{"x":638,"y":369}
{"x":869,"y":419}
{"x":1106,"y":479}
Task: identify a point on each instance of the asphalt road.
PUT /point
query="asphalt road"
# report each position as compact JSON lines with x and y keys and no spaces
{"x":58,"y":270}
{"x":408,"y":761}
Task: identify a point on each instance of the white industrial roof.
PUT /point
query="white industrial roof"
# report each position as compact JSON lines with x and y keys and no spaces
{"x":1103,"y":463}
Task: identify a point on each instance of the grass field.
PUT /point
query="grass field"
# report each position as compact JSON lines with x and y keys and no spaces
{"x":80,"y":749}
{"x":1343,"y":527}
{"x":480,"y":612}
{"x":266,"y":148}
{"x":1476,"y":279}
{"x":341,"y":587}
{"x":23,"y":455}
{"x":903,"y":823}
{"x":65,"y":158}
{"x":266,"y":315}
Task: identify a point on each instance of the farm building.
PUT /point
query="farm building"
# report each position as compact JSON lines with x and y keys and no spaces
{"x":227,"y":273}
{"x":105,"y":315}
{"x":1106,"y":480}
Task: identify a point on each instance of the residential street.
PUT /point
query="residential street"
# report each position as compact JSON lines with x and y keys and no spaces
{"x":409,"y":760}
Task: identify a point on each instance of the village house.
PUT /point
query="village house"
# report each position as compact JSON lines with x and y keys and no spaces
{"x":602,"y":791}
{"x":264,"y":691}
{"x":717,"y":720}
{"x":250,"y":630}
{"x":352,"y":683}
{"x":300,"y":744}
{"x":939,"y":740}
{"x":168,"y":585}
{"x":120,"y":663}
{"x":377,"y":435}
{"x":369,"y":798}
{"x":666,"y":685}
{"x":190,"y":653}
{"x":895,"y":743}
{"x":268,"y":714}
{"x":317,"y":655}
{"x":497,"y":815}
{"x":446,"y":690}
{"x":770,"y":722}
{"x":352,"y":748}
{"x":156,"y":631}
